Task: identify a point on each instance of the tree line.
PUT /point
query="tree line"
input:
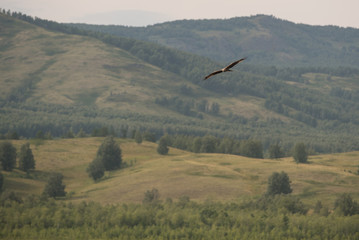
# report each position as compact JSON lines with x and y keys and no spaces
{"x":245,"y":147}
{"x":269,"y":217}
{"x":188,"y":107}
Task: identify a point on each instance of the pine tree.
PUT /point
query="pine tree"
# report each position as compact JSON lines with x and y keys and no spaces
{"x":7,"y":156}
{"x":300,"y":154}
{"x":162,"y":146}
{"x":26,"y":159}
{"x":109,"y":153}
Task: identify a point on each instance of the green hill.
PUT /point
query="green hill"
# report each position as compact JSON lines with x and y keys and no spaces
{"x":199,"y":176}
{"x":56,"y":79}
{"x":266,"y":40}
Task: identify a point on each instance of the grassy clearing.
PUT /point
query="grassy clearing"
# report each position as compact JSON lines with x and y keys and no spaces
{"x":199,"y":176}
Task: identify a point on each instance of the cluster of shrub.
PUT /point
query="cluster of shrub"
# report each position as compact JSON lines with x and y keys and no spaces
{"x":269,"y":217}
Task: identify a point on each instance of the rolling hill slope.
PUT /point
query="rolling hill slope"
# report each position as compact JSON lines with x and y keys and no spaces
{"x":64,"y":69}
{"x":199,"y":176}
{"x":55,"y":81}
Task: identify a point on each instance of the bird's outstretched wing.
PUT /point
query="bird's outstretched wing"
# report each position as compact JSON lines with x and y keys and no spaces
{"x":226,"y":69}
{"x":234,"y":63}
{"x":211,"y":74}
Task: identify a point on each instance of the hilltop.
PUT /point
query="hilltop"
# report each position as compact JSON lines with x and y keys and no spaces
{"x":266,"y":40}
{"x":199,"y":176}
{"x":57,"y":78}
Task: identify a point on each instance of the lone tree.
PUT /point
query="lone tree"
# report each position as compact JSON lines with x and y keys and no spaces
{"x":300,"y":153}
{"x":162,"y":146}
{"x":26,"y":158}
{"x":109,"y":153}
{"x":54,"y":187}
{"x":278,"y":183}
{"x":96,"y":170}
{"x":7,"y":156}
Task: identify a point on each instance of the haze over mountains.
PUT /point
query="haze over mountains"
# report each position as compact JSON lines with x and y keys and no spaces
{"x":124,"y":17}
{"x":300,"y":82}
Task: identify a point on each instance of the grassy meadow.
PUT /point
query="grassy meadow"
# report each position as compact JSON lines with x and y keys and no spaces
{"x":199,"y":176}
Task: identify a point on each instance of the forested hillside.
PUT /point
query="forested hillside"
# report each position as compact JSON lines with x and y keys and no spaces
{"x":57,"y":78}
{"x":266,"y":40}
{"x":110,"y":137}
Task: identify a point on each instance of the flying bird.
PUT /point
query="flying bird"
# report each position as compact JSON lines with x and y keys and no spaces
{"x":226,"y":69}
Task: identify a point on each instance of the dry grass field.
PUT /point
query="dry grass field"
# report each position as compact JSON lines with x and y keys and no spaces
{"x":201,"y":177}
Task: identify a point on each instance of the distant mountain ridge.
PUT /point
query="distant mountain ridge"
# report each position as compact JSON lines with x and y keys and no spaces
{"x":266,"y":40}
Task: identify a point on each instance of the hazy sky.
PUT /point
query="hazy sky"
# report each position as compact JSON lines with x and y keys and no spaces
{"x":144,"y":12}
